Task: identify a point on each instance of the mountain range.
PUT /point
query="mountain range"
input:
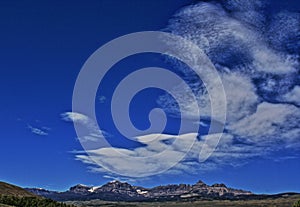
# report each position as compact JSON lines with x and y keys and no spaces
{"x":123,"y":191}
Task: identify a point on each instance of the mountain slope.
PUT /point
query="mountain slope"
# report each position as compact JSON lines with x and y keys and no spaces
{"x":14,"y":196}
{"x":12,"y":190}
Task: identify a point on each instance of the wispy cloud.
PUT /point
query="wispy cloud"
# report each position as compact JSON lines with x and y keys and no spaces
{"x":259,"y":68}
{"x":90,"y":130}
{"x":43,"y":131}
{"x":143,"y":161}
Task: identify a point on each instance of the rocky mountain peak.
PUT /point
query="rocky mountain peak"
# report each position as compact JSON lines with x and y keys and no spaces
{"x":118,"y":187}
{"x":116,"y":182}
{"x":220,"y":185}
{"x":79,"y":188}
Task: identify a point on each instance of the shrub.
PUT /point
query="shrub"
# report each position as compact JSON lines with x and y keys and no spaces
{"x":297,"y":204}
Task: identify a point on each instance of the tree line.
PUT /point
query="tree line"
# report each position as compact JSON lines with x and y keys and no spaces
{"x":31,"y":202}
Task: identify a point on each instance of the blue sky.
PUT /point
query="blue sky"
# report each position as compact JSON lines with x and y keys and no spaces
{"x":44,"y":45}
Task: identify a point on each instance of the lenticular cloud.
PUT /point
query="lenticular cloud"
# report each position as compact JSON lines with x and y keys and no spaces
{"x":257,"y":56}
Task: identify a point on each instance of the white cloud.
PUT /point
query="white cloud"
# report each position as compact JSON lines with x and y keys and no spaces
{"x":75,"y":117}
{"x":131,"y":162}
{"x":177,"y":158}
{"x":260,"y":80}
{"x":251,"y":70}
{"x":240,"y":94}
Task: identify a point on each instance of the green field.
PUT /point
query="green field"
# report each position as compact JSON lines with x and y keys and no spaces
{"x":277,"y":202}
